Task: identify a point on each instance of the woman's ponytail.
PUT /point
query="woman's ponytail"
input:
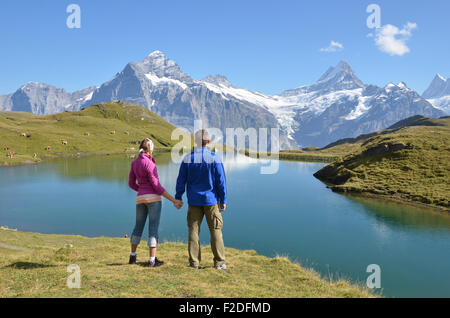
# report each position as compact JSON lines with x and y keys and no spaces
{"x":146,"y":145}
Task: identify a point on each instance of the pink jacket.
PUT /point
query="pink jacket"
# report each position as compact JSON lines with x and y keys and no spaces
{"x":143,"y":169}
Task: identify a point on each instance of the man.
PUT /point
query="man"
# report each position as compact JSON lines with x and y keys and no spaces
{"x":202,"y":175}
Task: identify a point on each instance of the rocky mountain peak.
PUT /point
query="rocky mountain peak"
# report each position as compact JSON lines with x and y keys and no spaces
{"x":160,"y":65}
{"x":35,"y":85}
{"x":342,"y":68}
{"x":342,"y":75}
{"x":439,"y":87}
{"x":217,"y":79}
{"x":339,"y":77}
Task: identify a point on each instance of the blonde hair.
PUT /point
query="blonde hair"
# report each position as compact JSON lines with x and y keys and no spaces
{"x":146,"y":145}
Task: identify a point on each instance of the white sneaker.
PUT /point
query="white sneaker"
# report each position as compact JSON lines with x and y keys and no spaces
{"x":223,"y":266}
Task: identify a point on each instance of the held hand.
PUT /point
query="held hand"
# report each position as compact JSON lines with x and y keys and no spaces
{"x":178,"y":204}
{"x":223,"y":207}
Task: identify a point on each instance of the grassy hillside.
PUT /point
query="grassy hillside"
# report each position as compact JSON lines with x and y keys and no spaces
{"x":318,"y":154}
{"x":34,"y":265}
{"x":345,"y":146}
{"x":106,"y":128}
{"x":406,"y":163}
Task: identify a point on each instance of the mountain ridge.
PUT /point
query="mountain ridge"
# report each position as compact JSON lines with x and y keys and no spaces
{"x":338,"y":105}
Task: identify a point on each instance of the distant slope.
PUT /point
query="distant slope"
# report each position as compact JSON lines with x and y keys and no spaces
{"x":416,"y":120}
{"x":106,"y":128}
{"x":410,"y":162}
{"x":44,"y":99}
{"x":345,"y":146}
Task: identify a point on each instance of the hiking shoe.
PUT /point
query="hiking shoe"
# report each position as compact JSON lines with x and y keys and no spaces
{"x":133,"y":260}
{"x":193,"y":266}
{"x":223,"y":266}
{"x":155,"y":263}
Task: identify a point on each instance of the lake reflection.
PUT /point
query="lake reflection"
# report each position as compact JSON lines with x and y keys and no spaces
{"x":288,"y":213}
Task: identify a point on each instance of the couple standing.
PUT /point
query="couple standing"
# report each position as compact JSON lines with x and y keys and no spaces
{"x":203,"y":177}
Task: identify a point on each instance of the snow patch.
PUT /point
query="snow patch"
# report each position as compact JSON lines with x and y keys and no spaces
{"x":441,"y":77}
{"x":88,"y":96}
{"x":360,"y":109}
{"x":245,"y":95}
{"x":442,"y":103}
{"x":156,"y":80}
{"x":279,"y":106}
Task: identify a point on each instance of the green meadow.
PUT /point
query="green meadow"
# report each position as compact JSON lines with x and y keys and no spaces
{"x":107,"y":128}
{"x":35,"y":265}
{"x":408,"y":163}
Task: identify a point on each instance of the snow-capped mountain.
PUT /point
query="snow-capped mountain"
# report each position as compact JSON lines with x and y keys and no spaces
{"x":338,"y":78}
{"x":338,"y":105}
{"x":438,"y":93}
{"x":159,"y":84}
{"x":42,"y":99}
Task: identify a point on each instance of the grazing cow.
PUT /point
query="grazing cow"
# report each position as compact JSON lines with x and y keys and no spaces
{"x":23,"y":135}
{"x":87,"y":134}
{"x":127,"y":133}
{"x":28,"y":135}
{"x":48,"y":148}
{"x":10,"y":154}
{"x":64,"y":142}
{"x":6,"y":148}
{"x":113,"y":132}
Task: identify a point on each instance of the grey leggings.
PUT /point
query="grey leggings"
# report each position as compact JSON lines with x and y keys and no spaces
{"x":153,"y":211}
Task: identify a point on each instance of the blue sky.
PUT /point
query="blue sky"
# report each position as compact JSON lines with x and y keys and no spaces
{"x":268,"y":46}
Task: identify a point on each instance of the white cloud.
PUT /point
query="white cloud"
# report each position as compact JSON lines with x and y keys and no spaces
{"x":333,"y":47}
{"x":392,"y":40}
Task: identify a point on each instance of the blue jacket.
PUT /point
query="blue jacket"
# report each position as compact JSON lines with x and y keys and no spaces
{"x":203,"y":176}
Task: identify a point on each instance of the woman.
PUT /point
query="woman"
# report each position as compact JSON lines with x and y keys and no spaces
{"x":148,"y":201}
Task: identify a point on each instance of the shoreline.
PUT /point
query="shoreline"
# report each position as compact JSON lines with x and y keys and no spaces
{"x":392,"y":198}
{"x":28,"y":162}
{"x":324,"y":160}
{"x":77,"y":155}
{"x":292,"y":156}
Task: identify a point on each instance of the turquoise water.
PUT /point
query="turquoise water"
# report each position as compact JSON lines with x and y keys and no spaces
{"x":289,"y":213}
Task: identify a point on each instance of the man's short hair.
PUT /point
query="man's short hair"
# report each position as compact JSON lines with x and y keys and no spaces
{"x":201,"y":137}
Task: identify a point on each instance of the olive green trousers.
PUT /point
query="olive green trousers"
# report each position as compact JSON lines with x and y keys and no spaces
{"x":215,"y":223}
